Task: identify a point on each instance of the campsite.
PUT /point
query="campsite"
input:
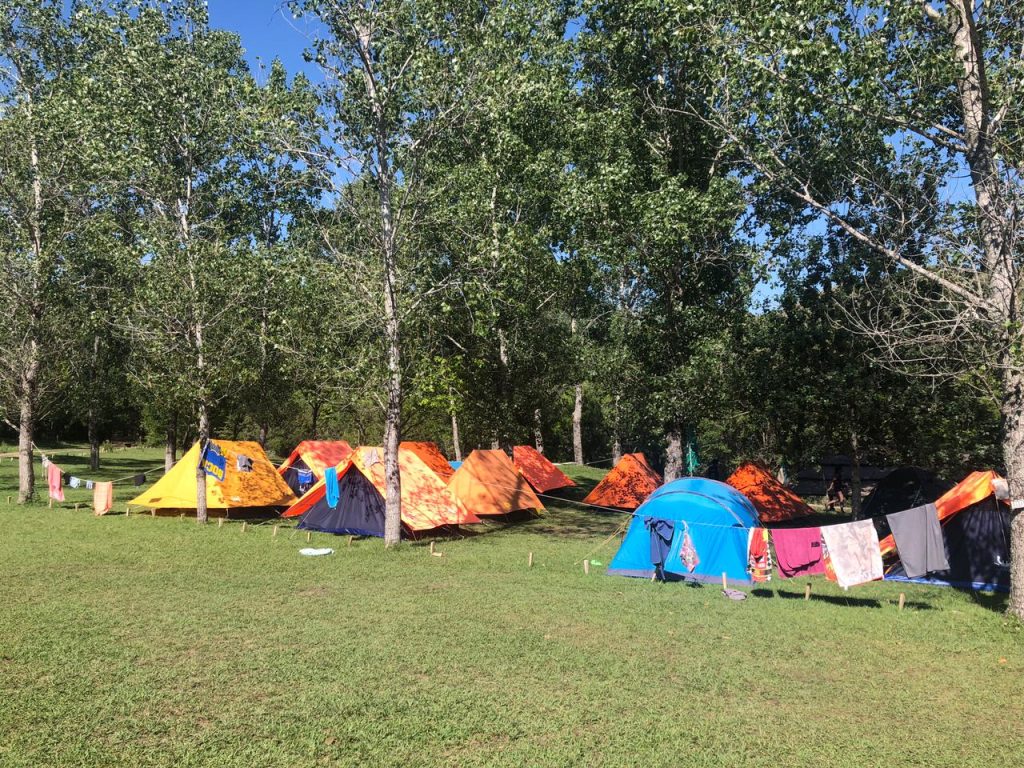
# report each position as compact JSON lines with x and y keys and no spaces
{"x":544,"y":383}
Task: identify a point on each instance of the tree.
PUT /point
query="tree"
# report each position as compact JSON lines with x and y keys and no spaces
{"x":864,"y":117}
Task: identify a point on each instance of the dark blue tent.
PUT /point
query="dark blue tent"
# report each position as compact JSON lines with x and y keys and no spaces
{"x":718,"y":519}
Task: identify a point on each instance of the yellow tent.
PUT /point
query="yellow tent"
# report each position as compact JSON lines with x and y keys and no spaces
{"x":259,"y":488}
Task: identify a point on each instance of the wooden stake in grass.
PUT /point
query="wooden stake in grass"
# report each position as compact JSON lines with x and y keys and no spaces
{"x":431,"y":547}
{"x":586,"y":567}
{"x":725,"y":581}
{"x":274,"y":536}
{"x":350,"y":541}
{"x":309,"y":535}
{"x":51,"y":503}
{"x":76,"y":507}
{"x":529,"y":561}
{"x":903,"y":600}
{"x":807,"y":591}
{"x":220,"y":522}
{"x":8,"y":500}
{"x":243,"y":527}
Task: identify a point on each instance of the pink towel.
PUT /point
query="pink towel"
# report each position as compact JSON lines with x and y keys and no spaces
{"x":55,"y":481}
{"x":102,"y":498}
{"x":798,"y":551}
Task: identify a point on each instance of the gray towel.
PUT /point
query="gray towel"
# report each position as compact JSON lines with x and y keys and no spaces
{"x":918,"y":538}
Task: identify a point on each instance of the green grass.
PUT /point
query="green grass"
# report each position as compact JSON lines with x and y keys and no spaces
{"x":154,"y":641}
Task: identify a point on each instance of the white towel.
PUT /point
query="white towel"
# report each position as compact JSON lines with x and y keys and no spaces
{"x":314,"y":552}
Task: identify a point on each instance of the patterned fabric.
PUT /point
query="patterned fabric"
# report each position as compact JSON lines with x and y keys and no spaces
{"x":760,"y":557}
{"x":688,"y":553}
{"x":102,"y":498}
{"x":853,"y":552}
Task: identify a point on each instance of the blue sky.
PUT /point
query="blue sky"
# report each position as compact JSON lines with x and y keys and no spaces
{"x":267,"y":31}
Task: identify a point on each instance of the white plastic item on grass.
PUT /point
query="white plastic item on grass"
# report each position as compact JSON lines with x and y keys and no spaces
{"x":314,"y":552}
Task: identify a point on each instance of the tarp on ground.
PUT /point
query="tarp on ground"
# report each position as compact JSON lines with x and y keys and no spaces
{"x":538,"y":471}
{"x":489,"y":485}
{"x":773,"y":501}
{"x":426,"y":501}
{"x":627,"y":485}
{"x":259,"y":488}
{"x":717,"y":519}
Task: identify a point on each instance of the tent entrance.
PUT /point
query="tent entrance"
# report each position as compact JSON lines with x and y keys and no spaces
{"x":359,"y":512}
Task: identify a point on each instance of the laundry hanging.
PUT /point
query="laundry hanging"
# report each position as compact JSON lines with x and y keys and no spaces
{"x":919,"y":541}
{"x":798,"y":551}
{"x":53,"y":480}
{"x":102,"y":498}
{"x":853,"y":551}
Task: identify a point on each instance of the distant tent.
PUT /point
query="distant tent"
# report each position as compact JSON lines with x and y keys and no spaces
{"x":976,"y":532}
{"x":426,"y":502}
{"x":430,"y":455}
{"x":258,"y":488}
{"x":903,"y":488}
{"x":627,"y":486}
{"x":538,"y":471}
{"x":314,"y":456}
{"x":489,"y":485}
{"x":773,"y":501}
{"x":718,"y":519}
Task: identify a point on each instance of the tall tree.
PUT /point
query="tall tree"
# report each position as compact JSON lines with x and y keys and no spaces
{"x":898,"y":125}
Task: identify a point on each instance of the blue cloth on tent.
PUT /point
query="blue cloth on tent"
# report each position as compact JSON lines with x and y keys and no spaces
{"x":331,"y":489}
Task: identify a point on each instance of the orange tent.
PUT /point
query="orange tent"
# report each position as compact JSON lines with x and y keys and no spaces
{"x":430,"y":455}
{"x":316,"y":456}
{"x":627,"y":486}
{"x":489,"y":484}
{"x":976,"y":487}
{"x":538,"y":471}
{"x":773,"y":501}
{"x":426,"y":502}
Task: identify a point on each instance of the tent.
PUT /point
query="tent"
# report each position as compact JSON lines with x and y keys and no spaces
{"x":903,"y":488}
{"x":538,"y":471}
{"x":976,"y":532}
{"x":426,"y":502}
{"x":251,"y":483}
{"x":773,"y":501}
{"x":315,"y":456}
{"x":489,"y":484}
{"x":718,"y":519}
{"x":629,"y":483}
{"x":430,"y":455}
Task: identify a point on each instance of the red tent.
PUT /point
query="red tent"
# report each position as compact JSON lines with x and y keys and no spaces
{"x":539,"y":472}
{"x":627,"y":486}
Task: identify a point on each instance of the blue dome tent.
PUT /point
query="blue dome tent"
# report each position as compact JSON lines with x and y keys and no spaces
{"x":717,"y":517}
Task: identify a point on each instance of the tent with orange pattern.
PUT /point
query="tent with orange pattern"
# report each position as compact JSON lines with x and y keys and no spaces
{"x":773,"y":501}
{"x":430,"y":455}
{"x":975,"y":522}
{"x":306,"y":464}
{"x":359,"y":507}
{"x":489,"y":484}
{"x":538,"y":471}
{"x":627,"y":486}
{"x":251,"y":484}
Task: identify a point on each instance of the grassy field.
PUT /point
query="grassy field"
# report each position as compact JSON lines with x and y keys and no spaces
{"x":145,"y":641}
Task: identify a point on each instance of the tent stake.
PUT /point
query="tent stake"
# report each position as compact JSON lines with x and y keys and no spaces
{"x":903,"y":600}
{"x":725,"y":582}
{"x":350,"y":541}
{"x":76,"y":507}
{"x":220,"y":522}
{"x":51,"y":503}
{"x":274,"y":536}
{"x":529,"y":561}
{"x":243,"y":527}
{"x":586,"y":567}
{"x":807,"y":591}
{"x":431,"y":547}
{"x":8,"y":501}
{"x":309,"y":535}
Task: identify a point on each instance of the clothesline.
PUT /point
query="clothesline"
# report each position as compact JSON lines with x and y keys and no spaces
{"x":46,"y":460}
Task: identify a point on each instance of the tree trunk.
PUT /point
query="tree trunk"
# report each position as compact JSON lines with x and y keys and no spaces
{"x":577,"y":425}
{"x":456,"y":444}
{"x":393,"y":436}
{"x":855,"y":481}
{"x":674,"y":455}
{"x":204,"y":438}
{"x":538,"y":435}
{"x":262,"y":440}
{"x":171,"y":443}
{"x":26,"y":425}
{"x":94,"y":441}
{"x":616,"y":438}
{"x":1012,"y":423}
{"x":93,"y":426}
{"x":314,"y":420}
